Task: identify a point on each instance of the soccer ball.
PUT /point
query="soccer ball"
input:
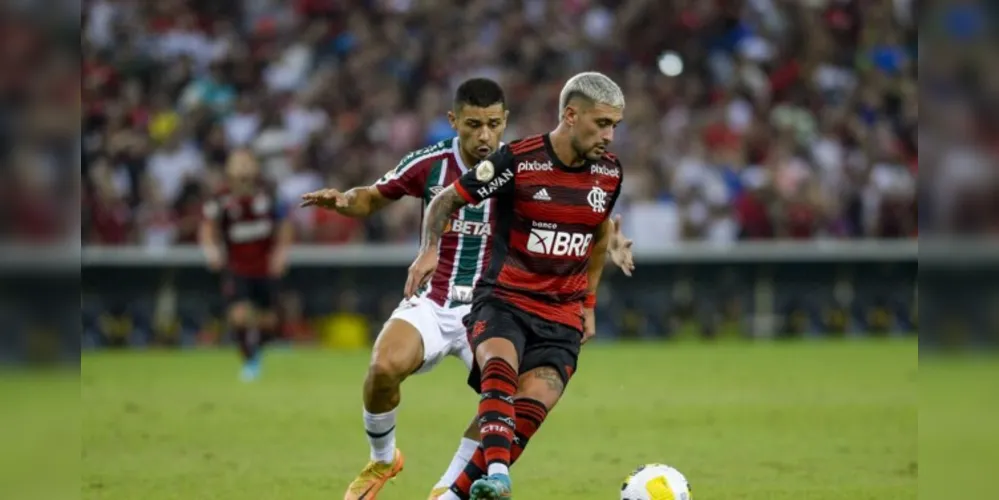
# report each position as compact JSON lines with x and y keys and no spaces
{"x":655,"y":482}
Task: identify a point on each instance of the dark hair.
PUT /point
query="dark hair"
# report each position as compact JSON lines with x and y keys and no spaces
{"x":479,"y":92}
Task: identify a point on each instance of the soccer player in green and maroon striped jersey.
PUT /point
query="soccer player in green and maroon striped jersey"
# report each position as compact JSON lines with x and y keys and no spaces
{"x":427,"y":328}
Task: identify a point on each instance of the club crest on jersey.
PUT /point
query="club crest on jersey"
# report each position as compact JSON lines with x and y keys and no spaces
{"x":597,"y":198}
{"x":485,"y":171}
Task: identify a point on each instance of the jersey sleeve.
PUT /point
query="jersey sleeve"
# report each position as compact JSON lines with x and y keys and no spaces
{"x":491,"y":177}
{"x":617,"y":189}
{"x":408,"y":178}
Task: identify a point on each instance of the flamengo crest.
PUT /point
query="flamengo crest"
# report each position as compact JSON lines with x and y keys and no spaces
{"x":597,"y":198}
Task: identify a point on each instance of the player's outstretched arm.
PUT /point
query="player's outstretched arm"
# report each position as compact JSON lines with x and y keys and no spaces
{"x":284,"y":237}
{"x":357,"y":202}
{"x":435,"y":220}
{"x":209,"y":237}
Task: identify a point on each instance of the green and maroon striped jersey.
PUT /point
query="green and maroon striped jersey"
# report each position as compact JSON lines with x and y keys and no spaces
{"x":463,"y":251}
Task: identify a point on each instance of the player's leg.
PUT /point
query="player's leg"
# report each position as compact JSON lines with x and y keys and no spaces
{"x":398,"y":351}
{"x":497,"y":360}
{"x":497,"y":338}
{"x":240,"y":321}
{"x":264,"y":296}
{"x":409,"y":342}
{"x":549,"y":359}
{"x":238,"y":311}
{"x":539,"y":391}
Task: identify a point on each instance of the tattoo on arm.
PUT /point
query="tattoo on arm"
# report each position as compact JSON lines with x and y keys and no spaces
{"x":437,"y":215}
{"x":551,"y":377}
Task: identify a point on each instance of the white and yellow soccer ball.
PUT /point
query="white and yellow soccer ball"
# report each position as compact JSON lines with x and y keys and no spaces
{"x":655,"y":482}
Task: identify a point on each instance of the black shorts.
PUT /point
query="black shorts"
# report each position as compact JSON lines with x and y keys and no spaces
{"x":261,"y":292}
{"x":539,"y":342}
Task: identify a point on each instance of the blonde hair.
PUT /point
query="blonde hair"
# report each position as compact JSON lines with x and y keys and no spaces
{"x":595,"y":87}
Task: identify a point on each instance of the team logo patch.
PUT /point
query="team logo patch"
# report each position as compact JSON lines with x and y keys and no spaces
{"x":478,"y":329}
{"x":597,"y":198}
{"x":485,"y":171}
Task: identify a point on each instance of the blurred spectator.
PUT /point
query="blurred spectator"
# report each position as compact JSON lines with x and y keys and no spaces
{"x":745,"y":119}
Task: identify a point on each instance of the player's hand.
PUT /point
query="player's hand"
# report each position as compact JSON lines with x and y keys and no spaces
{"x":214,"y":258}
{"x":277,"y":266}
{"x":325,"y":198}
{"x":421,"y":271}
{"x":619,"y":248}
{"x":589,"y":324}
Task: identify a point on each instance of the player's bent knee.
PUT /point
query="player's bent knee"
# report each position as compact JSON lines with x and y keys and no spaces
{"x":239,"y":315}
{"x":398,"y":352}
{"x":497,"y":348}
{"x":543,"y":384}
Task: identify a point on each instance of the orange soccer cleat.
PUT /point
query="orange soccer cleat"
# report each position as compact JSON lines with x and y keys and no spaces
{"x":373,"y":478}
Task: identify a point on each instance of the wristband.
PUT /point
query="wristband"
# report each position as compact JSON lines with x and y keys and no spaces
{"x":590,"y":301}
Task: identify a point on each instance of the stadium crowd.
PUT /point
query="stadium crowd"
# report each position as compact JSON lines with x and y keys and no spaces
{"x":745,"y":119}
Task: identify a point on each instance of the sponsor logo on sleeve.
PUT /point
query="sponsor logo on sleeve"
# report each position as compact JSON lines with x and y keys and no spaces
{"x":495,"y":184}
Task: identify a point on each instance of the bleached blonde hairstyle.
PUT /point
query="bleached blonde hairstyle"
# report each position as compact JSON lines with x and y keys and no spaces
{"x":596,"y":87}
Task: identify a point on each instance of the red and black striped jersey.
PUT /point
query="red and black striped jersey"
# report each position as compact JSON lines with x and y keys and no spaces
{"x":248,"y":224}
{"x":547,"y":217}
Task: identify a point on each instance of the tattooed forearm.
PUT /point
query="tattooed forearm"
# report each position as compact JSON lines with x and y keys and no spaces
{"x":437,"y":214}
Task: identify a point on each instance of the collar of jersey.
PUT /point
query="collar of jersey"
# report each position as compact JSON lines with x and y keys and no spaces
{"x":557,"y":162}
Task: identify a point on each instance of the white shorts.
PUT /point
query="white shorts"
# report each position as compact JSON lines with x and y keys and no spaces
{"x":441,"y":328}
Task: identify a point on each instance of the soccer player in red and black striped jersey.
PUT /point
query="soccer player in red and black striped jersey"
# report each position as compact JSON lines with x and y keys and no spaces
{"x":533,"y":307}
{"x":245,"y":235}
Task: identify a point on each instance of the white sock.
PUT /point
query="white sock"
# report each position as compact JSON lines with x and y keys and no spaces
{"x":498,"y":469}
{"x":461,"y":458}
{"x":449,"y":495}
{"x":381,"y":435}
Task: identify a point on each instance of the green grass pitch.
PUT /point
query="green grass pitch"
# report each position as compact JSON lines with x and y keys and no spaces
{"x":767,"y":421}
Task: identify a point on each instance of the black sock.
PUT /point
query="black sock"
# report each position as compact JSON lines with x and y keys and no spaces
{"x":249,"y":342}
